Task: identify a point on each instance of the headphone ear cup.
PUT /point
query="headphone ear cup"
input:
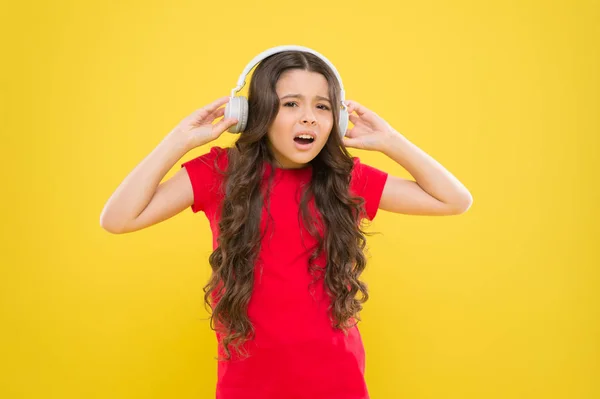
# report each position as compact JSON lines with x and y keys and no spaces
{"x":237,"y":108}
{"x":343,"y":123}
{"x":243,"y":113}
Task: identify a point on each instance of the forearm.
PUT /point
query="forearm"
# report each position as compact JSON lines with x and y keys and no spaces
{"x":136,"y":191}
{"x":429,"y":174}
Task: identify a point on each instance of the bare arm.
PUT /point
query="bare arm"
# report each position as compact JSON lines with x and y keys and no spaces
{"x":141,"y":200}
{"x":435,"y":192}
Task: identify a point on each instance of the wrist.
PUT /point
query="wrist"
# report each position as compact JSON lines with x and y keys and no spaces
{"x":394,"y":140}
{"x":178,"y":142}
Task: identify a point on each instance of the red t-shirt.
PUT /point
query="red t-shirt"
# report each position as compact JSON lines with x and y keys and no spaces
{"x":296,"y":352}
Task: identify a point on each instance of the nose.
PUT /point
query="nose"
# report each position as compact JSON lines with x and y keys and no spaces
{"x":309,"y":119}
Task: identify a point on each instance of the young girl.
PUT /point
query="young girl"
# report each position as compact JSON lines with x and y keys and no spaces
{"x":285,"y":206}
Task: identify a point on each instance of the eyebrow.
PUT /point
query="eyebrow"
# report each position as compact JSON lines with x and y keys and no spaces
{"x":302,"y":97}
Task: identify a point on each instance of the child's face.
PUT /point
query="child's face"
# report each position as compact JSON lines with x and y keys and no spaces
{"x":310,"y":110}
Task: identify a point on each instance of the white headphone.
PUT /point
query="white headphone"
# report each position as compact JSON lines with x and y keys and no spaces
{"x":237,"y":107}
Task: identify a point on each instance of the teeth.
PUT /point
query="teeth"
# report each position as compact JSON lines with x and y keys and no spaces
{"x":305,"y":136}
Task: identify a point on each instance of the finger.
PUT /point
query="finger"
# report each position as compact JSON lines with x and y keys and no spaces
{"x":349,"y":142}
{"x":198,"y":119}
{"x":212,"y":107}
{"x":216,"y":104}
{"x":365,"y":114}
{"x":353,"y":106}
{"x":361,"y":111}
{"x":223,"y":125}
{"x":353,"y":118}
{"x":218,"y":113}
{"x":350,"y":106}
{"x":211,"y":117}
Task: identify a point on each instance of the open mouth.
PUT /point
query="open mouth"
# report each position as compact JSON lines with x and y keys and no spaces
{"x":304,"y":138}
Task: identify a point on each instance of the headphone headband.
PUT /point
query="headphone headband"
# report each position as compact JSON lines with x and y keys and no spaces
{"x":242,"y":79}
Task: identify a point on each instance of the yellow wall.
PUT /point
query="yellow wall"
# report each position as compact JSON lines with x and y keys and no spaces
{"x":501,"y":302}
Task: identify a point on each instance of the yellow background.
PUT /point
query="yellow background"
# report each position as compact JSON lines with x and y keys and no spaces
{"x":501,"y":302}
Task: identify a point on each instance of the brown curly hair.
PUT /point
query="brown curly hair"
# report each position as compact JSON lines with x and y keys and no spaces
{"x":343,"y":241}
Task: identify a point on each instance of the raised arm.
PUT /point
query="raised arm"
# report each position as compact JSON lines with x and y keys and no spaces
{"x":436,"y":192}
{"x":141,"y":200}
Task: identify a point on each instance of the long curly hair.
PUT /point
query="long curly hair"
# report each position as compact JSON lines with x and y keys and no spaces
{"x":337,"y":227}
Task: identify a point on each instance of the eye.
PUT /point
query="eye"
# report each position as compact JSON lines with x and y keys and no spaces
{"x":323,"y":107}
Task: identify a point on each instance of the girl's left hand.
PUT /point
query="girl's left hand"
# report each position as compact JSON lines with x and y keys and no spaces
{"x":370,"y":131}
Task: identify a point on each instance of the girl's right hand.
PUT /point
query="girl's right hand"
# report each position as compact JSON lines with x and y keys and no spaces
{"x":197,"y":129}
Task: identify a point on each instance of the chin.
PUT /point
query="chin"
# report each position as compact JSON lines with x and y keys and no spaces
{"x":301,"y":157}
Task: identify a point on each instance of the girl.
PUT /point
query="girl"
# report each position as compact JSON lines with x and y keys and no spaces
{"x":285,"y":206}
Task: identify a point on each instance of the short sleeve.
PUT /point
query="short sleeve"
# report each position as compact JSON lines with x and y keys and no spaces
{"x":205,"y":178}
{"x":368,"y":182}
